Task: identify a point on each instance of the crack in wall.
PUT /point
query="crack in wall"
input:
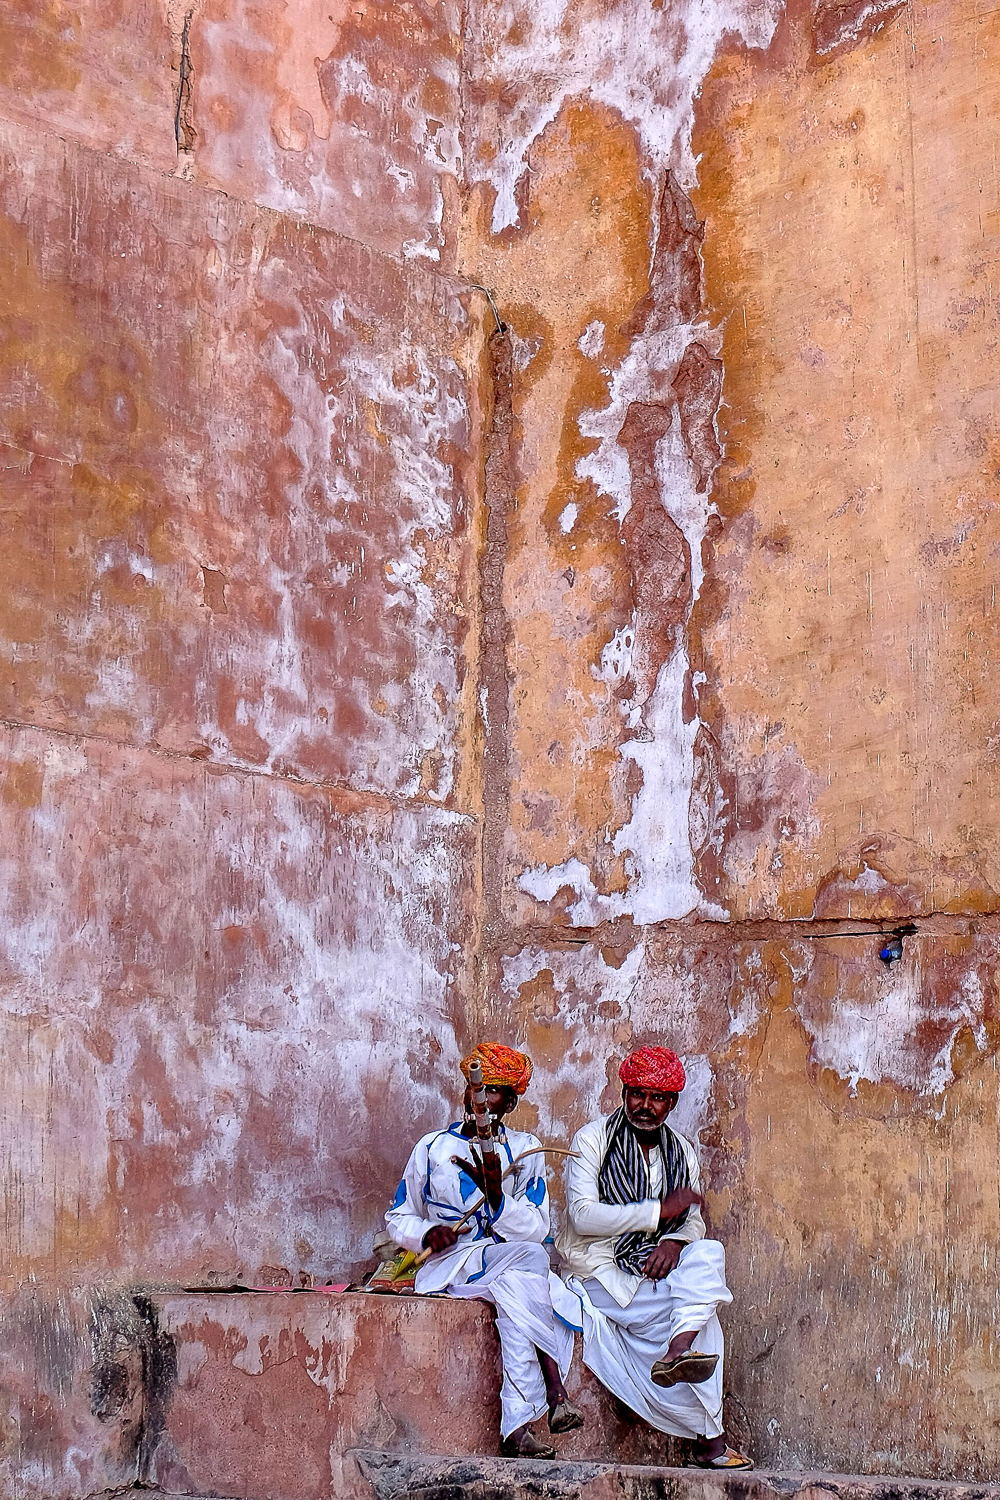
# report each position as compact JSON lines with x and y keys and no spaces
{"x":184,"y":131}
{"x":348,"y":798}
{"x":936,"y":924}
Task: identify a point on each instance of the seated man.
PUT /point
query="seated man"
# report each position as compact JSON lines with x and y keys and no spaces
{"x":648,"y":1280}
{"x":500,"y":1256}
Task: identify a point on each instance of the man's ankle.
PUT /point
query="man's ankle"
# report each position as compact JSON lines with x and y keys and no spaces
{"x":681,"y":1343}
{"x":710,"y":1447}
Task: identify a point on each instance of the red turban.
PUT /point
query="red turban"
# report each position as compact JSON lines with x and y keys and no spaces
{"x":502,"y":1066}
{"x":653,"y":1068}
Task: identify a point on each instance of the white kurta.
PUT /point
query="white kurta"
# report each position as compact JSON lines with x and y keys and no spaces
{"x":502,"y":1260}
{"x":628,"y":1321}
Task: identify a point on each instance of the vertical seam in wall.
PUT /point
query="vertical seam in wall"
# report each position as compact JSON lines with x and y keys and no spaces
{"x":494,"y":674}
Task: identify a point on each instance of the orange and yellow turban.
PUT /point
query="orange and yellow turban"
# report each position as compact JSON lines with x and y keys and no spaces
{"x":502,"y":1066}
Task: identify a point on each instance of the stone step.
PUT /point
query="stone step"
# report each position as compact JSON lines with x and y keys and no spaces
{"x":393,"y":1476}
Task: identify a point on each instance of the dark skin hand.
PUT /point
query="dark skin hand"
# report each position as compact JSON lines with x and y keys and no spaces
{"x":646,"y":1111}
{"x":499,"y":1102}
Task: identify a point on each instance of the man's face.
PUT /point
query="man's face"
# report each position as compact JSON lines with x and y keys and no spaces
{"x":498,"y":1100}
{"x":647,"y":1109}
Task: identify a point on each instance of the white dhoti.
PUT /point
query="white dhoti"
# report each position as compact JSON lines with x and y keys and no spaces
{"x":515,"y":1279}
{"x":621,"y":1344}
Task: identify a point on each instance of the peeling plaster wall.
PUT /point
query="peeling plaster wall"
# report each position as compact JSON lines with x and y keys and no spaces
{"x":240,"y":477}
{"x":373,"y":677}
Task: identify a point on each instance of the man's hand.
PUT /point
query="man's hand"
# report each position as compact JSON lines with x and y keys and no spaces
{"x":488,"y":1183}
{"x":663,"y":1259}
{"x":675,"y":1203}
{"x":439,"y":1237}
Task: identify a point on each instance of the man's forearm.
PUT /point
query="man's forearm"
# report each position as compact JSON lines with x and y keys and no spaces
{"x":408,"y":1230}
{"x":599,"y":1221}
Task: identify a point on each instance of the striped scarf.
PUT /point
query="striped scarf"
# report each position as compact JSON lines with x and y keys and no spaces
{"x":623,"y":1179}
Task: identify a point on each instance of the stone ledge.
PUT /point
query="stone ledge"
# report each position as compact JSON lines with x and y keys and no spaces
{"x":393,"y":1476}
{"x":274,"y":1391}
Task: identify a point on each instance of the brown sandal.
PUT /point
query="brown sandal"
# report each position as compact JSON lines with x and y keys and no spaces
{"x":691,"y":1368}
{"x":564,"y":1418}
{"x":526,"y":1446}
{"x":728,"y":1460}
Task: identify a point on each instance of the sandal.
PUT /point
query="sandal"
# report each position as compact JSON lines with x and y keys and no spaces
{"x":691,"y":1368}
{"x":526,"y":1446}
{"x":728,"y":1460}
{"x":564,"y":1418}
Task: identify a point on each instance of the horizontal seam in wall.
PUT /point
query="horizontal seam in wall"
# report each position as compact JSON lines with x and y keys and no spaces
{"x":378,"y":800}
{"x":772,"y":929}
{"x":459,"y":283}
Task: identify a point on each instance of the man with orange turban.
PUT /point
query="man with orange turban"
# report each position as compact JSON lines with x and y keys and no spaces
{"x":500,"y":1256}
{"x":648,"y":1280}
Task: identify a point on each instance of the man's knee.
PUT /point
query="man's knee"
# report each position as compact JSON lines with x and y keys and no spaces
{"x":521,"y":1255}
{"x":705,"y":1252}
{"x":534,"y":1258}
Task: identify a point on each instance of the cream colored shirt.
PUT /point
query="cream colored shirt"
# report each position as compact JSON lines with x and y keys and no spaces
{"x":587,"y":1241}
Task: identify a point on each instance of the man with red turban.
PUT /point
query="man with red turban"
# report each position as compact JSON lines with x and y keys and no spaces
{"x":499,"y":1256}
{"x":648,"y":1280}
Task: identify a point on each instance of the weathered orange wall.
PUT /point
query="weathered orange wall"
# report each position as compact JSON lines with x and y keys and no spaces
{"x":373,"y":678}
{"x":746,"y":256}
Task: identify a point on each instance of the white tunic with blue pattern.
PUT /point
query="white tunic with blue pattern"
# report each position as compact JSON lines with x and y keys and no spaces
{"x":433,"y":1190}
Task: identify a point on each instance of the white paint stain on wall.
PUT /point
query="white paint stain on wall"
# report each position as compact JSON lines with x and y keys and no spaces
{"x":648,"y":63}
{"x":582,"y":981}
{"x":891,"y":1025}
{"x":691,"y":1115}
{"x":333,"y":135}
{"x":199,"y":968}
{"x":415,"y":402}
{"x":656,"y":841}
{"x":600,"y":1013}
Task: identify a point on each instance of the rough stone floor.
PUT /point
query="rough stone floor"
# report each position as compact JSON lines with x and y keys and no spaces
{"x":393,"y":1476}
